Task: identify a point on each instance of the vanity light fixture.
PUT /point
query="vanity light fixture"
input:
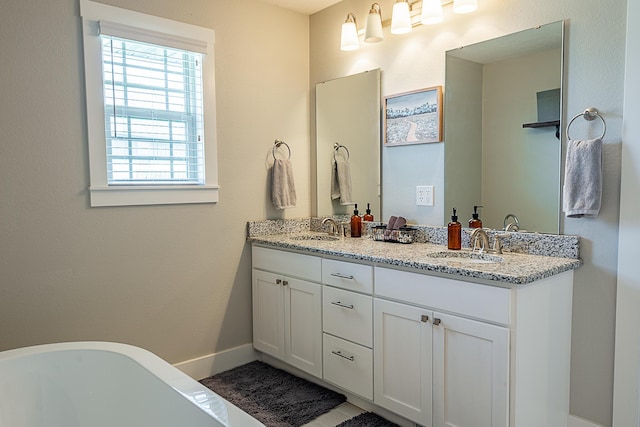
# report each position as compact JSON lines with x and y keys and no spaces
{"x":405,"y":15}
{"x":431,"y":12}
{"x":464,"y":6}
{"x":349,"y":38}
{"x":373,"y":27}
{"x":401,"y":17}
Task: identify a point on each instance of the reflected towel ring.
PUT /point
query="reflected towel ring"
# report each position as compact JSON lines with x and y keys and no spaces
{"x":338,"y":146}
{"x":589,"y":114}
{"x":276,"y":145}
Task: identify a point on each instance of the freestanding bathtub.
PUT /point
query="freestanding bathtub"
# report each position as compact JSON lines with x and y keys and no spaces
{"x":100,"y":384}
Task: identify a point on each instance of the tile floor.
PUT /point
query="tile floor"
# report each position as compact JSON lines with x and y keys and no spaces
{"x":337,"y":415}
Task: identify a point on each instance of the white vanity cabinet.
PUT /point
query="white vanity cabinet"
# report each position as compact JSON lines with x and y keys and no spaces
{"x":402,"y":353}
{"x":439,"y":351}
{"x":470,"y":373}
{"x":450,"y":353}
{"x":347,"y":318}
{"x":287,"y":308}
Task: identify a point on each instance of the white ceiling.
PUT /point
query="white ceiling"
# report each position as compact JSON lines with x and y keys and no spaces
{"x":307,"y":7}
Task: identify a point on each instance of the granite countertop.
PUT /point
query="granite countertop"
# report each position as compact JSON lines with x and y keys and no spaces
{"x":506,"y":269}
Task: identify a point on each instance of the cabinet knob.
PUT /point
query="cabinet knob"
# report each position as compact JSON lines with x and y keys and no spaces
{"x":424,"y":318}
{"x":436,"y":321}
{"x":285,"y":282}
{"x":278,"y":281}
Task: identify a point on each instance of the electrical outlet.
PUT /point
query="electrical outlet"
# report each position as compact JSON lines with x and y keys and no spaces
{"x":424,"y":195}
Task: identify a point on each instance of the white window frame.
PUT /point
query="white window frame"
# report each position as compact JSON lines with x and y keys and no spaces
{"x":103,"y":194}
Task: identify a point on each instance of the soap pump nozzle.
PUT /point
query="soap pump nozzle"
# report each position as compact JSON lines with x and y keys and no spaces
{"x":475,"y":214}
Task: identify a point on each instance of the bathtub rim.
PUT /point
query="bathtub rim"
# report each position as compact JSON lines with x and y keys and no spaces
{"x":163,"y":370}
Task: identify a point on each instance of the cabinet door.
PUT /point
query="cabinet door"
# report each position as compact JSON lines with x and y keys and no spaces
{"x":402,"y":360}
{"x":303,"y":325}
{"x":470,"y":373}
{"x":268,"y":313}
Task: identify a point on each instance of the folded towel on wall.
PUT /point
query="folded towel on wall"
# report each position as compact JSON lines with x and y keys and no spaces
{"x":341,"y":182}
{"x":283,"y":188}
{"x":582,"y":191}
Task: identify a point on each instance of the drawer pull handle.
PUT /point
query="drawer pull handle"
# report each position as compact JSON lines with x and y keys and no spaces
{"x":339,"y":354}
{"x":436,"y":321}
{"x":339,"y":304}
{"x":342,"y":276}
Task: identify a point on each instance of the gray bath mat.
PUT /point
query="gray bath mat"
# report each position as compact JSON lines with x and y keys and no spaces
{"x":368,"y":419}
{"x":273,"y":396}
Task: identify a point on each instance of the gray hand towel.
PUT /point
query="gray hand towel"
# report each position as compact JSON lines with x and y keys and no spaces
{"x":283,"y":189}
{"x":582,"y":192}
{"x":341,"y":182}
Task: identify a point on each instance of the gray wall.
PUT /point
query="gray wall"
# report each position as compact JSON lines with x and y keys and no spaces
{"x":594,"y":64}
{"x":175,"y":280}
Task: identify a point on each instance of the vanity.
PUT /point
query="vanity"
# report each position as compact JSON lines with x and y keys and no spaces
{"x":439,"y":338}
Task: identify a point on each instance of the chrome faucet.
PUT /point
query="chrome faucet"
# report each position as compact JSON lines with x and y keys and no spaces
{"x":511,"y":225}
{"x":478,"y":235}
{"x":333,"y":225}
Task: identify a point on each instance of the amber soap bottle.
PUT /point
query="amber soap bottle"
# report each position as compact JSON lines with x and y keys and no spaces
{"x":368,"y":216}
{"x":475,"y":221}
{"x":454,"y":229}
{"x":356,"y":223}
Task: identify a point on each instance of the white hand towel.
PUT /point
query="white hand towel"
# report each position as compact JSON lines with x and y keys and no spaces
{"x":341,"y":182}
{"x":582,"y":192}
{"x":283,"y":189}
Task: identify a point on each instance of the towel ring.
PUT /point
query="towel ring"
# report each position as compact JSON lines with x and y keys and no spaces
{"x":338,"y":146}
{"x":589,"y":114}
{"x":277,"y":144}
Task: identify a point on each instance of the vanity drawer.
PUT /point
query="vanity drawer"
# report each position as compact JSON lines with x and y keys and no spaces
{"x":348,"y":315}
{"x":347,"y":275}
{"x":348,"y":365}
{"x":469,"y":299}
{"x":292,"y":264}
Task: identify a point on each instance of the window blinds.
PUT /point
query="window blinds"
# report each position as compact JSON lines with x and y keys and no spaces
{"x":153,"y":107}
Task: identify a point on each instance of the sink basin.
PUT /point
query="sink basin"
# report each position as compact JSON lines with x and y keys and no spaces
{"x":316,"y":237}
{"x":468,"y":257}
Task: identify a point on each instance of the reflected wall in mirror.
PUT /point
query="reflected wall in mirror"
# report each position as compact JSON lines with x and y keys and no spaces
{"x":490,"y":159}
{"x":348,"y":113}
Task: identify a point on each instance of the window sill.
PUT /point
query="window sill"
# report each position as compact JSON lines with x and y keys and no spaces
{"x":152,"y":195}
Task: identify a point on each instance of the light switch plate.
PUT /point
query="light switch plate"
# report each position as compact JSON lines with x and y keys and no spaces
{"x":424,"y":195}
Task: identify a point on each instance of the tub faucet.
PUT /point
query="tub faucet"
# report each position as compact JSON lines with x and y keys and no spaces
{"x":333,"y":225}
{"x":479,"y":240}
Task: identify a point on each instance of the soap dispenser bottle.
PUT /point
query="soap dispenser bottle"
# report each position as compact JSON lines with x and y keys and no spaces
{"x":454,"y":232}
{"x":368,"y":216}
{"x":475,"y":221}
{"x":356,"y":223}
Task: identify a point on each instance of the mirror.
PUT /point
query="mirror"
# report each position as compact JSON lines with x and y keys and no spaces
{"x":491,"y":90}
{"x":348,"y":113}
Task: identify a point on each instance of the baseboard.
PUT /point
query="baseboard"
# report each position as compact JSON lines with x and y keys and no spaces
{"x":581,"y":422}
{"x":205,"y":366}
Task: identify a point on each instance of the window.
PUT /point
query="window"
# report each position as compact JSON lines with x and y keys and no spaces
{"x":150,"y":109}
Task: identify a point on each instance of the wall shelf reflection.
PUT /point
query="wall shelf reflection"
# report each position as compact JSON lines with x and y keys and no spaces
{"x":536,"y":125}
